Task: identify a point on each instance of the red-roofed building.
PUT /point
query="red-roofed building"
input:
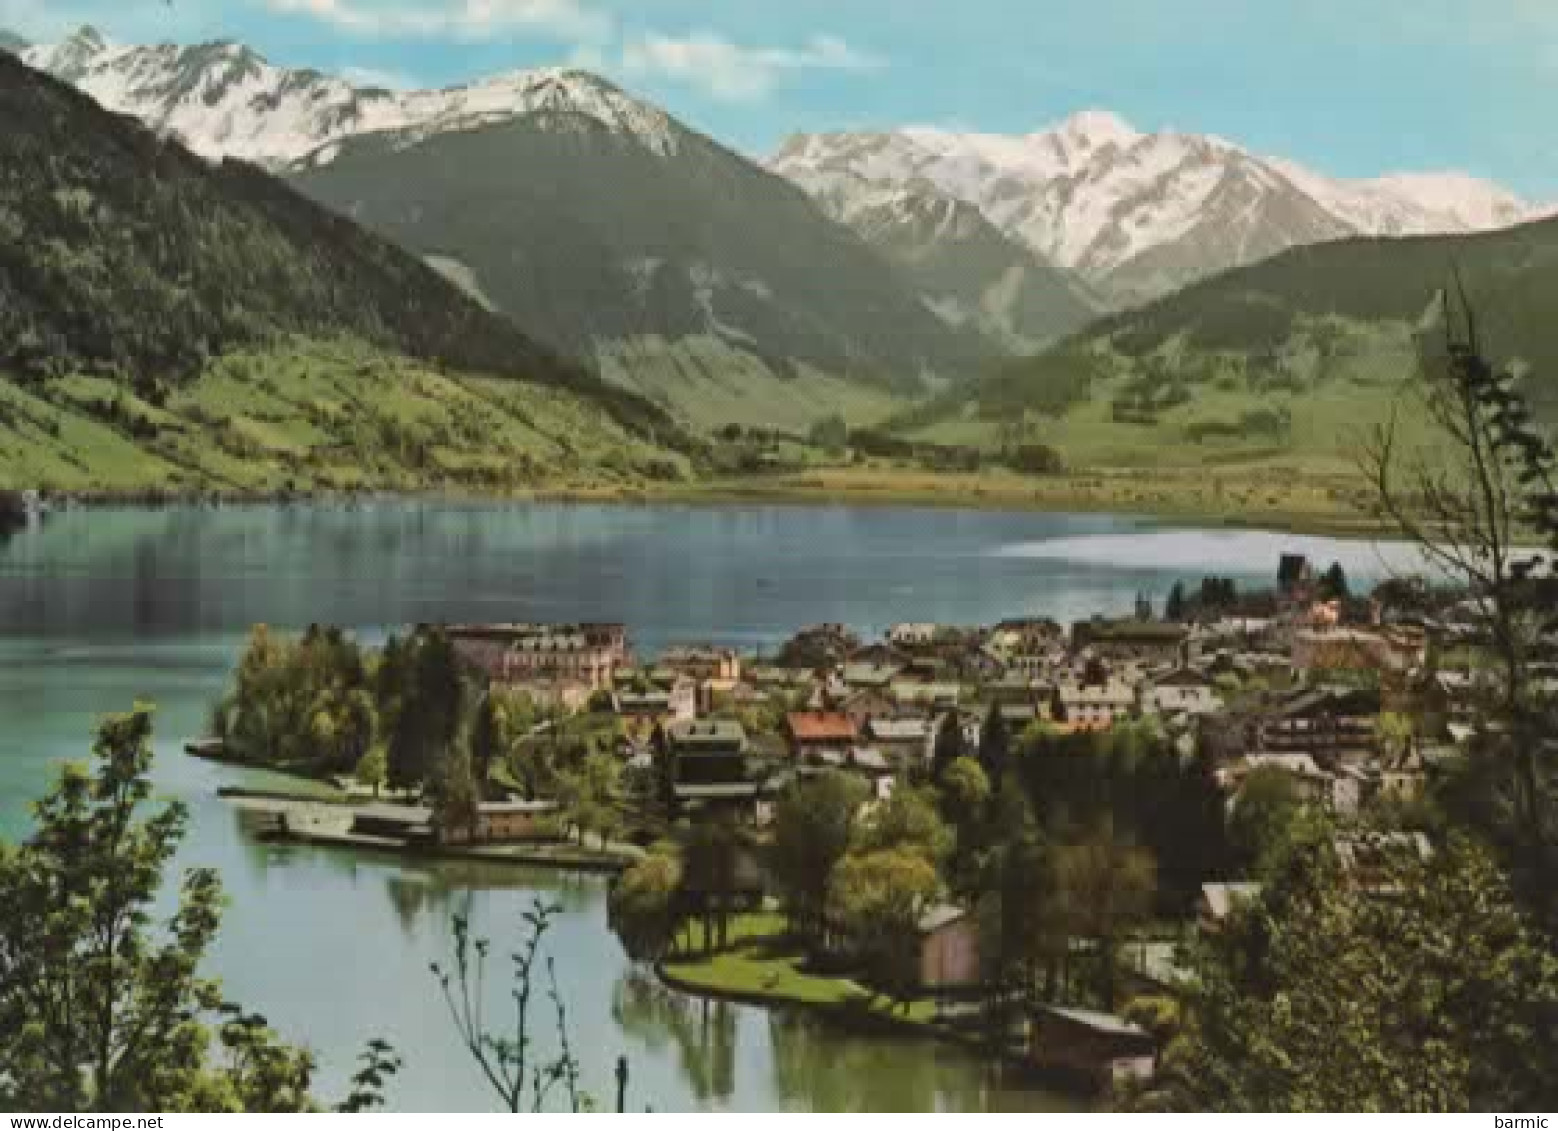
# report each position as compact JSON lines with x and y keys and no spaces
{"x":811,"y":734}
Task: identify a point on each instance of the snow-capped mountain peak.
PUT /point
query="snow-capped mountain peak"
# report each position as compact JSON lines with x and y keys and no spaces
{"x":1089,"y":131}
{"x":224,"y":100}
{"x":1138,"y":214}
{"x":1459,"y":197}
{"x":72,"y":56}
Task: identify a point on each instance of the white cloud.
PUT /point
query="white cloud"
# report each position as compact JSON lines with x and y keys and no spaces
{"x":732,"y":72}
{"x":704,"y":61}
{"x":567,"y":20}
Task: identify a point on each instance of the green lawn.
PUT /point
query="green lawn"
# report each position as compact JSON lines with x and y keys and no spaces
{"x":762,"y":962}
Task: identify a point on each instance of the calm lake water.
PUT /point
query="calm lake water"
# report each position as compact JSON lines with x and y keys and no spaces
{"x":99,"y":609}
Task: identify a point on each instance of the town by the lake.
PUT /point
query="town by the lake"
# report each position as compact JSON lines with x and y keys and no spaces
{"x":591,"y":556}
{"x":993,"y":852}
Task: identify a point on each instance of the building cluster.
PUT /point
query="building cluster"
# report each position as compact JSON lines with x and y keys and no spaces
{"x":1282,"y":679}
{"x":1357,"y":700}
{"x":561,"y":665}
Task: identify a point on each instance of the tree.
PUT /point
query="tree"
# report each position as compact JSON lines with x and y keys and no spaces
{"x":1218,"y":593}
{"x":101,"y":1012}
{"x":507,"y":1057}
{"x":949,"y":744}
{"x":1324,"y":998}
{"x":1103,"y":888}
{"x":298,"y":702}
{"x":1470,"y":500}
{"x":814,"y":822}
{"x":1036,"y":459}
{"x":1022,"y":934}
{"x":644,"y":906}
{"x":995,"y":744}
{"x":373,"y":770}
{"x":710,"y":870}
{"x":830,"y":434}
{"x":257,"y":717}
{"x":664,"y":759}
{"x":1154,"y":795}
{"x":1174,"y":608}
{"x":877,"y":899}
{"x":965,"y":791}
{"x":906,"y":821}
{"x":427,"y":710}
{"x":456,"y":794}
{"x":966,"y":799}
{"x":588,"y":796}
{"x":1261,"y":820}
{"x":1333,"y":584}
{"x":489,"y":738}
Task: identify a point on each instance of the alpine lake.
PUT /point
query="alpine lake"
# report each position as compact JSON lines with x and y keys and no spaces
{"x":100,"y":608}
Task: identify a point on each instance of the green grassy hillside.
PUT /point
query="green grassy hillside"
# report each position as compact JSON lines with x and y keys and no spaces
{"x":311,"y":415}
{"x":1285,"y":364}
{"x":124,"y":256}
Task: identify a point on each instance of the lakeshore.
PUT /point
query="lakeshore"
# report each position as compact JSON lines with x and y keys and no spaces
{"x":760,"y":966}
{"x":81,"y":642}
{"x":327,"y":822}
{"x":1235,"y":497}
{"x":850,"y":780}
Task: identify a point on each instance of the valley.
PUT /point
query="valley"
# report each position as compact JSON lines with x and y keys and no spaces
{"x":935,"y":302}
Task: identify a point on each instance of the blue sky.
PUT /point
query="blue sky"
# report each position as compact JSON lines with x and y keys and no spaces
{"x":1349,"y":87}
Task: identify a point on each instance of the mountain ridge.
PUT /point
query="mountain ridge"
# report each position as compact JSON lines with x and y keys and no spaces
{"x":1139,"y":214}
{"x":711,"y":266}
{"x":1287,"y":362}
{"x":970,"y":272}
{"x":123,"y":253}
{"x":712,"y":249}
{"x":223,"y":99}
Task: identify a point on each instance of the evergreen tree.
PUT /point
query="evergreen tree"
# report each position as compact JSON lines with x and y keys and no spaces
{"x":488,"y":735}
{"x":995,"y":743}
{"x":709,"y":875}
{"x":1016,"y":908}
{"x":949,"y":746}
{"x":665,"y":768}
{"x":428,"y":714}
{"x":1333,"y":584}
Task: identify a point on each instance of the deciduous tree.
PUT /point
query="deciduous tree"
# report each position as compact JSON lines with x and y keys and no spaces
{"x":1103,"y":888}
{"x":644,"y":906}
{"x":1321,"y":997}
{"x":876,"y":899}
{"x":814,"y":822}
{"x":102,"y":1010}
